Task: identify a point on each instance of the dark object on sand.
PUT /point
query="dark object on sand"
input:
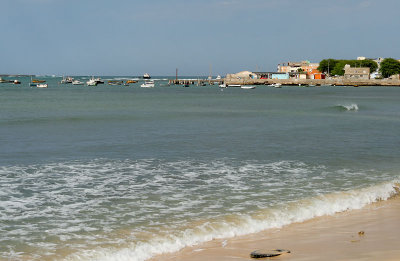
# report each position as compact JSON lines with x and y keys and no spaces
{"x":268,"y":253}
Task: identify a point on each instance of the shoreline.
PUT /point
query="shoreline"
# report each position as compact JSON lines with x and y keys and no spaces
{"x":335,"y":237}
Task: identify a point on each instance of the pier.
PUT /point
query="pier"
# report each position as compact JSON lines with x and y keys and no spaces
{"x":198,"y":82}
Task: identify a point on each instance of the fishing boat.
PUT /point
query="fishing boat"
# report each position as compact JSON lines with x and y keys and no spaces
{"x":223,"y":85}
{"x":234,"y":85}
{"x":42,"y":85}
{"x":131,"y":81}
{"x":77,"y":82}
{"x":16,"y":82}
{"x":146,"y":76}
{"x":38,"y":81}
{"x":218,"y":77}
{"x":147,"y":84}
{"x":278,"y":85}
{"x":114,"y":82}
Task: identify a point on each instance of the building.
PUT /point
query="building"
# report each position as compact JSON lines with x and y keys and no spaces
{"x":272,"y":75}
{"x":358,"y":73}
{"x":294,"y":67}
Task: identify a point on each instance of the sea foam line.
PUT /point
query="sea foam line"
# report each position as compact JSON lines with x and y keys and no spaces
{"x":237,"y":225}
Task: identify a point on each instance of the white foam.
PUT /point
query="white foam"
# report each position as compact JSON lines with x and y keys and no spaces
{"x":350,"y":107}
{"x":235,"y":225}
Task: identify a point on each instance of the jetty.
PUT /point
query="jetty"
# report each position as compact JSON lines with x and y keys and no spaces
{"x":198,"y":82}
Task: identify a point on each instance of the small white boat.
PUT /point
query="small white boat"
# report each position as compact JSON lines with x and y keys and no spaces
{"x":42,"y":85}
{"x":148,"y":84}
{"x":247,"y":87}
{"x":223,"y":85}
{"x":218,"y":77}
{"x":92,"y":82}
{"x":77,"y":82}
{"x":146,"y":76}
{"x":235,"y":85}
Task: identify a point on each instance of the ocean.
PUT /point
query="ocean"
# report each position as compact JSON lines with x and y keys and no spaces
{"x":126,"y":173}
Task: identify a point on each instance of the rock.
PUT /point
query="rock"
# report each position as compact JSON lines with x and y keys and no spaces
{"x":268,"y":253}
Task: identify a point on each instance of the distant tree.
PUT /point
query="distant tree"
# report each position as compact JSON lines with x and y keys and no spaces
{"x":336,"y":67}
{"x":327,"y":65}
{"x":389,"y":67}
{"x":300,"y":70}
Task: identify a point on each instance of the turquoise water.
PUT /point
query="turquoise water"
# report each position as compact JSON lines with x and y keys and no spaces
{"x":125,"y":173}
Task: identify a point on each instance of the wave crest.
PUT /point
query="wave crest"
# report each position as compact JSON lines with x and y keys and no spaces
{"x":235,"y":225}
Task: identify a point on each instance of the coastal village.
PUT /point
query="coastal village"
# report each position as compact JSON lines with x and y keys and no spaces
{"x":306,"y":73}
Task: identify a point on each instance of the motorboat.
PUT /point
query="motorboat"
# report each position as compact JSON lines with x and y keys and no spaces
{"x":147,"y":84}
{"x":16,"y":82}
{"x":247,"y":87}
{"x":223,"y":85}
{"x":92,"y":82}
{"x":66,"y":80}
{"x":234,"y":85}
{"x":99,"y":80}
{"x":218,"y":77}
{"x":77,"y":82}
{"x":146,"y":76}
{"x":131,"y":81}
{"x":278,"y":85}
{"x":42,"y":85}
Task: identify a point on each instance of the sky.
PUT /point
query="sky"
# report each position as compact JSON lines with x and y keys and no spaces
{"x":131,"y":37}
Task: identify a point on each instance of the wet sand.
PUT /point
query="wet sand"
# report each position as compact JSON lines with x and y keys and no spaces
{"x":325,"y":238}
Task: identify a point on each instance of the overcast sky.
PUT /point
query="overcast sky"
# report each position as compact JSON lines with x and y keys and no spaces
{"x":131,"y":37}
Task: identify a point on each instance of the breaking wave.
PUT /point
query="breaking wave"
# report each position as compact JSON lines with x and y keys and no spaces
{"x":347,"y":107}
{"x":236,"y":225}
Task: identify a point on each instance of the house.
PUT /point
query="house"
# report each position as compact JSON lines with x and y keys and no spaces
{"x":294,"y":67}
{"x":272,"y":75}
{"x":362,"y":73}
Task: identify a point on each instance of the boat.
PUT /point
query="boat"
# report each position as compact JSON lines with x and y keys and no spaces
{"x":223,"y":85}
{"x":38,"y":81}
{"x":234,"y":85}
{"x":99,"y":80}
{"x":185,"y":85}
{"x":131,"y":81}
{"x":42,"y":85}
{"x":277,"y":85}
{"x":77,"y":82}
{"x":218,"y":77}
{"x":147,"y":84}
{"x":92,"y":82}
{"x":3,"y":81}
{"x":16,"y":82}
{"x":146,"y":76}
{"x":247,"y":87}
{"x":114,"y":82}
{"x":66,"y":80}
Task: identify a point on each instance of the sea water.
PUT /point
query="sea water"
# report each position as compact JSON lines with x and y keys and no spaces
{"x":126,"y":173}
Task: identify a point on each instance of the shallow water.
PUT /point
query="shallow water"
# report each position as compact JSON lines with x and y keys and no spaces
{"x":124,"y":173}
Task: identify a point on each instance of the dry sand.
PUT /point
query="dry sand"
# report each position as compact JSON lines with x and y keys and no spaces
{"x":325,"y":238}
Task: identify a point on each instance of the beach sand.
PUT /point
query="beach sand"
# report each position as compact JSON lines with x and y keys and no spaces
{"x":334,"y":237}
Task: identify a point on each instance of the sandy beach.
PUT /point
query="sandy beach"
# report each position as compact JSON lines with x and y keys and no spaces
{"x":371,"y":233}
